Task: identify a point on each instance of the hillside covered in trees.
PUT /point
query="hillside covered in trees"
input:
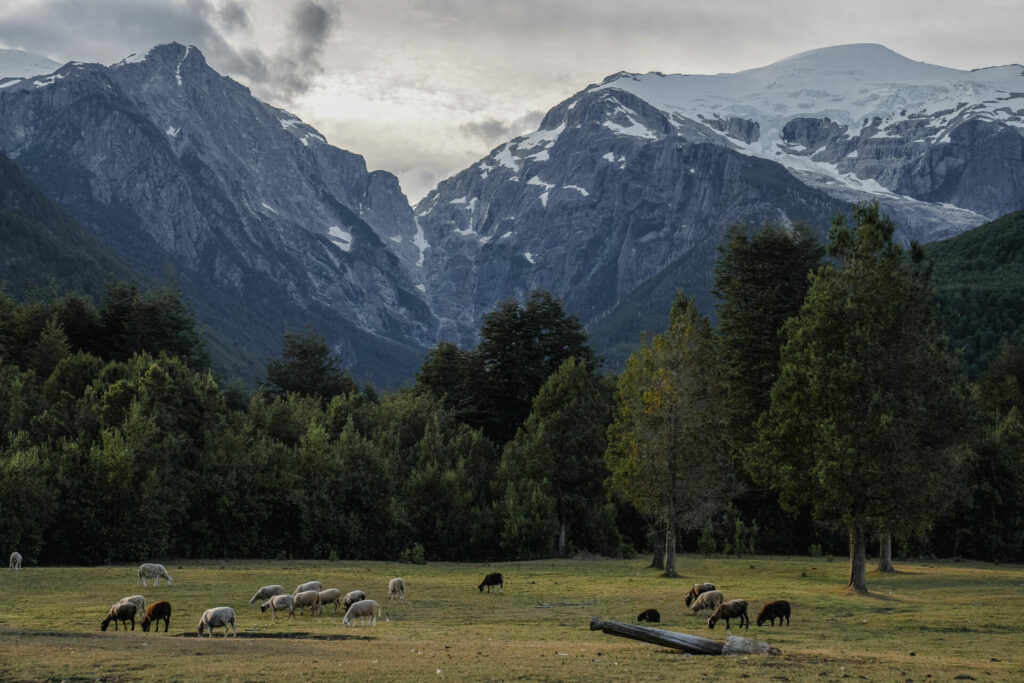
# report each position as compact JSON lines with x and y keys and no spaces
{"x":979,"y":276}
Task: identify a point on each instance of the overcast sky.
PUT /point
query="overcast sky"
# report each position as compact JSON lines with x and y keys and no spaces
{"x":423,"y":88}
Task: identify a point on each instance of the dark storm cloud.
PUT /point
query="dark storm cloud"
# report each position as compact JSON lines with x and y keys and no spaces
{"x":493,"y":130}
{"x":108,"y":30}
{"x":234,"y":17}
{"x":301,"y":58}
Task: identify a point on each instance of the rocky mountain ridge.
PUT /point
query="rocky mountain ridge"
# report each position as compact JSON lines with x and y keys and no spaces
{"x":265,"y":225}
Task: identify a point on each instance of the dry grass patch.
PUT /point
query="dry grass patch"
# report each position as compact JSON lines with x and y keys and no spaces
{"x":932,"y":621}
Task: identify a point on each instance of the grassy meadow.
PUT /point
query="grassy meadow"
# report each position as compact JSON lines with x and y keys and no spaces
{"x":933,"y":620}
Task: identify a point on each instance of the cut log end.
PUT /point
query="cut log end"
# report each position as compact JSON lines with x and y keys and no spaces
{"x":737,"y":645}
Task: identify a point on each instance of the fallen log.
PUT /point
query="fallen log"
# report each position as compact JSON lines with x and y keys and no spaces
{"x":695,"y":645}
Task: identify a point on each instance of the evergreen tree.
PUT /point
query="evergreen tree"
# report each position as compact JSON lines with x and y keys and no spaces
{"x":667,"y":450}
{"x":307,"y":367}
{"x":867,"y":419}
{"x":761,"y":280}
{"x":520,"y":347}
{"x":561,"y":445}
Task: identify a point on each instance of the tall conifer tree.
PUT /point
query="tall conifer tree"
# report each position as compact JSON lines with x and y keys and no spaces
{"x":867,"y":416}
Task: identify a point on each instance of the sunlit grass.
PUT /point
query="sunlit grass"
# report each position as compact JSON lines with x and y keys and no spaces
{"x":932,"y":619}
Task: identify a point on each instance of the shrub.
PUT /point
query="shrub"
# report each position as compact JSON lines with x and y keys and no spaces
{"x":413,"y":555}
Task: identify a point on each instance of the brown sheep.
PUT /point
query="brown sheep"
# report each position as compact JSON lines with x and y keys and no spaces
{"x":156,"y":612}
{"x":120,"y":612}
{"x":730,"y":610}
{"x":773,"y":610}
{"x":697,"y":589}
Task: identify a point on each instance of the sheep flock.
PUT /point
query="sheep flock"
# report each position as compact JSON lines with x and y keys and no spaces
{"x":703,"y":598}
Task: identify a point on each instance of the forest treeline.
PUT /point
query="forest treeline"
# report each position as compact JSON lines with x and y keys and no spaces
{"x":768,"y":434}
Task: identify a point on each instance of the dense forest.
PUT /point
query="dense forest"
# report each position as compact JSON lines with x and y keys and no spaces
{"x":979,"y":276}
{"x":826,"y":409}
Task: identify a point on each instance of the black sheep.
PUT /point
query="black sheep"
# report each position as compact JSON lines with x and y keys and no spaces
{"x":779,"y":608}
{"x":494,"y":579}
{"x":650,"y":615}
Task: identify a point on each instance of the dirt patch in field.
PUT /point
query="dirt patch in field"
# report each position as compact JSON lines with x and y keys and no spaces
{"x":286,"y":636}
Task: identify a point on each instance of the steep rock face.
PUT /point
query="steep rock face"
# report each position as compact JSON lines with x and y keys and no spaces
{"x":599,"y":200}
{"x":265,"y":224}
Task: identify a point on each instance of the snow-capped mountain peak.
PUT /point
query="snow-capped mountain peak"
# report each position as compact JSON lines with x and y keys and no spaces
{"x":18,"y":64}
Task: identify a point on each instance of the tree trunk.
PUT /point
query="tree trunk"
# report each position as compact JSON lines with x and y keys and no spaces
{"x":858,"y":561}
{"x":885,"y":554}
{"x":670,"y":552}
{"x":561,"y":540}
{"x":658,"y":561}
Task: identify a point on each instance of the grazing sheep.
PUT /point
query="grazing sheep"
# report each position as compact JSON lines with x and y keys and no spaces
{"x":352,"y":597}
{"x":119,"y":612}
{"x":15,"y":563}
{"x":730,"y":610}
{"x":279,"y":602}
{"x":266,"y":593}
{"x":697,"y":589}
{"x":153,"y":571}
{"x":157,"y":611}
{"x":707,"y":601}
{"x":330,"y":596}
{"x":651,"y":615}
{"x":363,"y":609}
{"x":779,"y":608}
{"x":138,"y":601}
{"x":494,"y":579}
{"x":217,"y":616}
{"x":304,"y":599}
{"x":396,"y":588}
{"x":308,"y":586}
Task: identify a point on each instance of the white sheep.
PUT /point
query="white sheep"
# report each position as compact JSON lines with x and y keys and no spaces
{"x":308,"y":586}
{"x":707,"y":601}
{"x":279,"y":602}
{"x":15,"y":561}
{"x":396,"y":588}
{"x":137,"y":600}
{"x":330,"y":596}
{"x":153,"y":571}
{"x":303,"y":599}
{"x":215,"y":617}
{"x":363,"y":609}
{"x":352,"y":597}
{"x":266,"y":593}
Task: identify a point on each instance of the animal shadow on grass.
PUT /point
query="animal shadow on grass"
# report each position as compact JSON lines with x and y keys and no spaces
{"x":292,"y":636}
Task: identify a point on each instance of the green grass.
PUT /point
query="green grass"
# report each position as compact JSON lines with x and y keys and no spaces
{"x":933,"y":620}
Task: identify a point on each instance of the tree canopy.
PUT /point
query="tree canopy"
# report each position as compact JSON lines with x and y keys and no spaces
{"x":870,"y":414}
{"x":667,"y":450}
